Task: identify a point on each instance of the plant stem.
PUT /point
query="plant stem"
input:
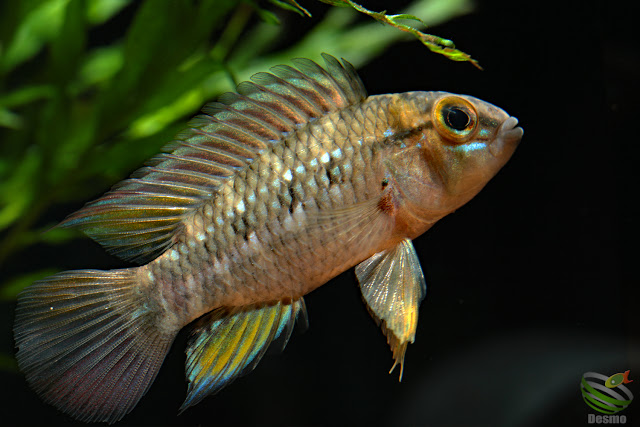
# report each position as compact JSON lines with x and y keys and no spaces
{"x":232,"y":31}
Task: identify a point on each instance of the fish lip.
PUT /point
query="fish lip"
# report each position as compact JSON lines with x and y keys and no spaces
{"x":508,"y":137}
{"x":509,"y":132}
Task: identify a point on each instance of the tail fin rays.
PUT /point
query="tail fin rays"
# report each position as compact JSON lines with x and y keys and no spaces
{"x":87,"y":344}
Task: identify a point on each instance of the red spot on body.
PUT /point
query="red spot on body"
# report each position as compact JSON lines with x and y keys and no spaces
{"x":387,"y":203}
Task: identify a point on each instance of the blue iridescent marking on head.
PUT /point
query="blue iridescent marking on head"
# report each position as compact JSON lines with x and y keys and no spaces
{"x":474,"y":146}
{"x":388,"y":133}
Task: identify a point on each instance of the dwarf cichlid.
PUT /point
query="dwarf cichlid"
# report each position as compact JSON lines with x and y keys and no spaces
{"x":267,"y":195}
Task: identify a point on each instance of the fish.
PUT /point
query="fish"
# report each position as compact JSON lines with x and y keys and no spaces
{"x":268,"y":194}
{"x":617,"y":379}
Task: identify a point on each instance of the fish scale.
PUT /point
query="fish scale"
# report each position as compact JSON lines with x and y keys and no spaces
{"x":238,"y":279}
{"x":267,"y":195}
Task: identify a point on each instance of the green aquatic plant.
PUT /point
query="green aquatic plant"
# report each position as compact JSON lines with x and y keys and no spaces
{"x":90,"y":89}
{"x":434,"y":43}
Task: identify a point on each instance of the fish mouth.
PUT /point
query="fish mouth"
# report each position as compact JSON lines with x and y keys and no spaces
{"x":508,"y":137}
{"x":509,"y":132}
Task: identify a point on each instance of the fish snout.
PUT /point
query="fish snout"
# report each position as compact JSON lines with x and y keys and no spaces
{"x":508,"y":138}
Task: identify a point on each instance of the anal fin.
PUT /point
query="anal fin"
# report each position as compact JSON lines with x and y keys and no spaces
{"x":228,"y":343}
{"x":393,"y":286}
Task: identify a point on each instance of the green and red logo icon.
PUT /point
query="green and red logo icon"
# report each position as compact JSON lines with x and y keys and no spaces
{"x":605,"y":394}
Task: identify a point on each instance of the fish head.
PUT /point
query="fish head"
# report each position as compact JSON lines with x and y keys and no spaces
{"x":454,"y":146}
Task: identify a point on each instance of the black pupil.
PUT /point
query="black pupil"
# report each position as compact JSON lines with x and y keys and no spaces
{"x":456,"y":118}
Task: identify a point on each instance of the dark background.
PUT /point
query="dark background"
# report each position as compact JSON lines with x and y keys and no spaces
{"x":530,"y":285}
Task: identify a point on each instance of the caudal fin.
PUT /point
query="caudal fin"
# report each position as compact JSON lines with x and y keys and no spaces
{"x":87,"y":344}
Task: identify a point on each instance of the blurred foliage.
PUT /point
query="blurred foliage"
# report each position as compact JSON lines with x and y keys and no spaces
{"x":78,"y":113}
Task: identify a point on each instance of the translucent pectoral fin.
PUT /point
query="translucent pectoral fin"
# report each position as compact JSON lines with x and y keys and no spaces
{"x":393,"y":286}
{"x":230,"y":342}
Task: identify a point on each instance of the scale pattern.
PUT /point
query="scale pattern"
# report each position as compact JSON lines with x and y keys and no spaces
{"x":278,"y":229}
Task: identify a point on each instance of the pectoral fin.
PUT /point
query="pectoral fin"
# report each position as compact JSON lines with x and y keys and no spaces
{"x":230,"y":342}
{"x":393,"y":286}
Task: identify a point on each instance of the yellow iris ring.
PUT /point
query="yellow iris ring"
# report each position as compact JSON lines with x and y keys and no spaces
{"x":443,"y":107}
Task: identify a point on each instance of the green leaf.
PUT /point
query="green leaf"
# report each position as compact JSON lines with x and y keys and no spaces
{"x":267,"y":16}
{"x":26,"y":95}
{"x":13,"y":287}
{"x":8,"y":363}
{"x":100,"y":11}
{"x":339,"y":3}
{"x":434,"y":43}
{"x":68,"y":46}
{"x":49,"y":234}
{"x":18,"y":192}
{"x":406,"y":16}
{"x":113,"y":162}
{"x":99,"y":66}
{"x":182,"y":97}
{"x":40,"y":25}
{"x":291,"y":5}
{"x":10,"y":120}
{"x":150,"y":56}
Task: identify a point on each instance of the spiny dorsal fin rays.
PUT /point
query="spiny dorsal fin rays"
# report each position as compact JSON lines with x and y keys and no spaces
{"x":313,"y":93}
{"x":260,"y":111}
{"x":279,"y":96}
{"x":325,"y":83}
{"x":241,"y":112}
{"x":229,"y":343}
{"x":142,"y":216}
{"x":347,"y":78}
{"x":393,"y":286}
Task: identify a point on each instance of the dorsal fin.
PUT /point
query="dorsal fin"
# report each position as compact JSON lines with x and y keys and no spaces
{"x":142,"y":216}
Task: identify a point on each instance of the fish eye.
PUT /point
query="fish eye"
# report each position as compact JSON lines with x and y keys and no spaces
{"x":455,"y":119}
